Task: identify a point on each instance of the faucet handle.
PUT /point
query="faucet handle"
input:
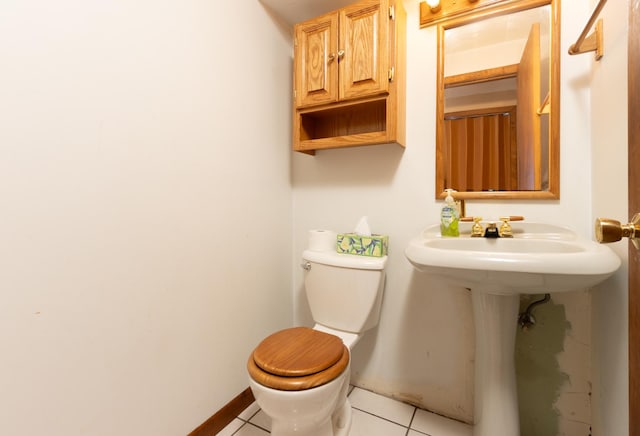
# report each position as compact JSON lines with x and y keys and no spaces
{"x":512,"y":218}
{"x":505,"y":228}
{"x":476,"y":228}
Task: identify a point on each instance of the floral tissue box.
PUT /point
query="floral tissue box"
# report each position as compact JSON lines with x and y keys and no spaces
{"x":360,"y":245}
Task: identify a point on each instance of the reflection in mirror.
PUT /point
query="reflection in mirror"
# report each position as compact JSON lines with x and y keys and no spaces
{"x":497,"y":129}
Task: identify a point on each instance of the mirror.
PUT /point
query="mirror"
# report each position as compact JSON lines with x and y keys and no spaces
{"x":498,"y":105}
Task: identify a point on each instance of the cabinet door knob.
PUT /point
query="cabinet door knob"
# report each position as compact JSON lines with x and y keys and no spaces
{"x":331,"y":57}
{"x":340,"y":54}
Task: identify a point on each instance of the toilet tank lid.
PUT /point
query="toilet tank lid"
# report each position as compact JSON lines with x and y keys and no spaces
{"x":345,"y":260}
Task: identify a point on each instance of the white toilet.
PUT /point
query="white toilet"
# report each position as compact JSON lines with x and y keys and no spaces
{"x":300,"y":376}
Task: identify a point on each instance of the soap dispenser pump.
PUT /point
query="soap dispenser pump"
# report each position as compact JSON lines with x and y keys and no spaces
{"x":449,"y":216}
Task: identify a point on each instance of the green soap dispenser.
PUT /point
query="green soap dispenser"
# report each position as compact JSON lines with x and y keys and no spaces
{"x":449,"y":216}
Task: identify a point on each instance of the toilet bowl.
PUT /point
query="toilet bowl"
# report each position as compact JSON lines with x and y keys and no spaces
{"x":300,"y":376}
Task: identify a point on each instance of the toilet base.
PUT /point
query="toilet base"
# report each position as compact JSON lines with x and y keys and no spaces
{"x":339,"y":424}
{"x":321,"y":411}
{"x":341,"y":419}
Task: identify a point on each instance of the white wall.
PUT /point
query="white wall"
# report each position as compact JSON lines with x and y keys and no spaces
{"x":144,"y":162}
{"x":607,"y":80}
{"x":422,"y":350}
{"x":146,"y":172}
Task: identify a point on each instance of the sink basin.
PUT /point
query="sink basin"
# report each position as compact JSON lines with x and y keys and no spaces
{"x":540,"y":258}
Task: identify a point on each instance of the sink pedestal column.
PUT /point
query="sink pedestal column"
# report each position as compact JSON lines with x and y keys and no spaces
{"x":496,"y":399}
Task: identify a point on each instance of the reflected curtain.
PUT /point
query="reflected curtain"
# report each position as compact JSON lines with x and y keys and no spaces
{"x":481,"y":151}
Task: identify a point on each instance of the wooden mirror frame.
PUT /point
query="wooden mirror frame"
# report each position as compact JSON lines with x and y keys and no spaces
{"x":554,"y":117}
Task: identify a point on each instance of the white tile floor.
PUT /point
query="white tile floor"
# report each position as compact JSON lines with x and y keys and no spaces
{"x":373,"y":415}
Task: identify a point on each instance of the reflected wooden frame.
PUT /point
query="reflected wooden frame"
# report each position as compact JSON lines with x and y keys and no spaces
{"x":553,"y":192}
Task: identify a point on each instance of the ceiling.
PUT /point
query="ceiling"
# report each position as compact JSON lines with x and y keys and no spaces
{"x":495,"y":30}
{"x":295,"y":11}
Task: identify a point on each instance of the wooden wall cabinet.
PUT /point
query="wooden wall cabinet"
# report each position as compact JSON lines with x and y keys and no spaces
{"x":349,"y":77}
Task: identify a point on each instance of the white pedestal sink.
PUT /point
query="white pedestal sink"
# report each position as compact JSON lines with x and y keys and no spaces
{"x":540,"y":258}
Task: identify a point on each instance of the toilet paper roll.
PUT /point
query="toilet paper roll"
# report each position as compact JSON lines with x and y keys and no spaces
{"x":322,"y":240}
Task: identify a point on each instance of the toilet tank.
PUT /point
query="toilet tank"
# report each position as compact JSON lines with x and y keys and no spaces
{"x":344,"y":291}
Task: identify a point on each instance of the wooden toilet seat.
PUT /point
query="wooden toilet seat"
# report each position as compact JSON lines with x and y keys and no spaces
{"x":298,"y":358}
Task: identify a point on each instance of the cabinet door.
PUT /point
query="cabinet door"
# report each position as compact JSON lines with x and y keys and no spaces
{"x":364,"y":37}
{"x":316,"y":61}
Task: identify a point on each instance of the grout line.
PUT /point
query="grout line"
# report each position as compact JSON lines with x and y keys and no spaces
{"x":415,"y":412}
{"x":408,"y":428}
{"x":246,"y":421}
{"x":379,"y":417}
{"x":257,"y":426}
{"x":261,"y":428}
{"x":251,"y":417}
{"x":419,"y":432}
{"x":236,"y":432}
{"x":413,"y":415}
{"x":251,"y":424}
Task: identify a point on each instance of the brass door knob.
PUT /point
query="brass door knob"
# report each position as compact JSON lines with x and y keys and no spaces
{"x":609,"y":230}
